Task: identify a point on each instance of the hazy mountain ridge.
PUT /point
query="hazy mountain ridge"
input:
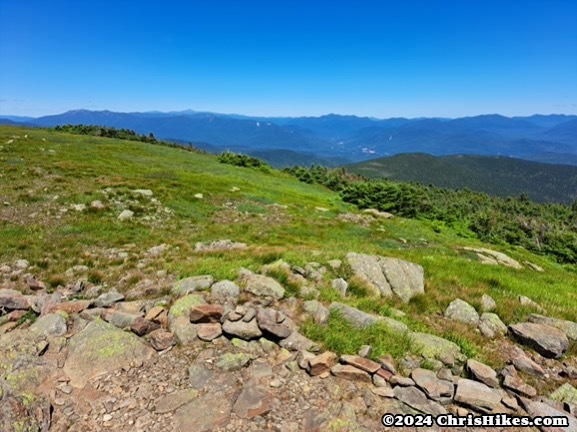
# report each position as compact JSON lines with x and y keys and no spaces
{"x":349,"y":138}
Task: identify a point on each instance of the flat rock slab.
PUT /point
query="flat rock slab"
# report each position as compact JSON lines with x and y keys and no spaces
{"x":174,"y":401}
{"x":478,"y":395}
{"x":361,"y":363}
{"x":351,"y":373}
{"x":483,"y":373}
{"x":567,"y":327}
{"x":546,"y":340}
{"x":252,"y":401}
{"x":540,"y":409}
{"x":101,"y":348}
{"x":417,"y":400}
{"x":204,"y":414}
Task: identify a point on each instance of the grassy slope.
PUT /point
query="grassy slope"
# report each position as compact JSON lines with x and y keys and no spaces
{"x":499,"y":176}
{"x":46,"y":173}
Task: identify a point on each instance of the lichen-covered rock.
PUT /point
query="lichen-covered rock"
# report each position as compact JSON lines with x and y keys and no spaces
{"x":182,"y":306}
{"x":490,"y":325}
{"x":102,"y":348}
{"x":460,"y":310}
{"x":260,"y":285}
{"x":192,"y":284}
{"x":436,"y":347}
{"x":224,"y":291}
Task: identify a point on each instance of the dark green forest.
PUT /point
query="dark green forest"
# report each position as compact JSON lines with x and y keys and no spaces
{"x":549,"y":229}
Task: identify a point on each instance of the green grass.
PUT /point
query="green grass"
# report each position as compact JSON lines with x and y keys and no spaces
{"x":273,"y":213}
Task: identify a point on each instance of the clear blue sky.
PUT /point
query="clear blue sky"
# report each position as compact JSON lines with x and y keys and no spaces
{"x":410,"y":58}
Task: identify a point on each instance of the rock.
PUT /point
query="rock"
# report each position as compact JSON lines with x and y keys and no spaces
{"x":490,"y":325}
{"x":526,"y":301}
{"x":183,"y":306}
{"x":108,"y":299}
{"x":198,"y":376}
{"x":340,"y":285}
{"x":487,"y":303}
{"x":379,"y":214}
{"x":365,"y":351}
{"x":388,"y":363}
{"x":317,"y":311}
{"x":434,"y":346}
{"x":35,"y":285}
{"x":219,"y":245}
{"x":96,"y":205}
{"x":298,"y":342}
{"x":567,"y":327}
{"x":460,"y":310}
{"x":13,"y":300}
{"x":565,"y":394}
{"x":351,"y":373}
{"x":224,"y":291}
{"x":230,"y":362}
{"x":402,"y":381}
{"x":428,"y":382}
{"x":360,"y":319}
{"x":417,"y":400}
{"x":192,"y":284}
{"x":517,"y":385}
{"x":49,"y":325}
{"x":21,"y":264}
{"x":208,"y":332}
{"x":126,"y":215}
{"x":269,"y":321}
{"x":252,"y":401}
{"x":101,"y":348}
{"x":534,"y":266}
{"x":141,"y":326}
{"x":546,"y":340}
{"x":244,"y":330}
{"x":321,"y":363}
{"x":478,"y":395}
{"x":526,"y":365}
{"x":174,"y":401}
{"x":498,"y":257}
{"x":69,"y":307}
{"x":482,"y":373}
{"x":361,"y":363}
{"x":368,"y":269}
{"x":406,"y":279}
{"x":215,"y":413}
{"x":207,"y":313}
{"x":541,"y":409}
{"x":122,"y":319}
{"x":260,"y":285}
{"x":161,"y":339}
{"x":184,"y":332}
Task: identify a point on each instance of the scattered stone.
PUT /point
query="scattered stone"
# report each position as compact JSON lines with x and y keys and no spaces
{"x":35,"y":285}
{"x":351,"y":373}
{"x":526,"y":301}
{"x":209,"y":332}
{"x":360,"y":319}
{"x":321,"y":363}
{"x":417,"y":400}
{"x":361,"y":363}
{"x":567,"y":327}
{"x":478,"y":395}
{"x":260,"y":285}
{"x":490,"y":325}
{"x":428,"y":382}
{"x":184,"y":332}
{"x":565,"y":394}
{"x":224,"y":291}
{"x":340,"y":285}
{"x":367,"y":268}
{"x":525,"y":364}
{"x":230,"y":362}
{"x":96,"y":205}
{"x":206,"y":313}
{"x":268,"y":321}
{"x":21,"y":264}
{"x":546,"y":340}
{"x":402,"y":381}
{"x":487,"y":303}
{"x":241,"y":329}
{"x":108,"y":299}
{"x":298,"y":342}
{"x":460,"y":310}
{"x":252,"y":401}
{"x":517,"y":385}
{"x":126,"y":215}
{"x":141,"y":326}
{"x":122,"y":319}
{"x":541,"y":409}
{"x":183,"y":306}
{"x":49,"y":325}
{"x":483,"y":373}
{"x":161,"y":339}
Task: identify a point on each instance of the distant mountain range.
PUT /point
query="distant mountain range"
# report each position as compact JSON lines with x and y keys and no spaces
{"x":335,"y":139}
{"x":494,"y":175}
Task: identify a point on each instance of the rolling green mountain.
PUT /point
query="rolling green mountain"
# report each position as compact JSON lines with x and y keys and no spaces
{"x":499,"y":176}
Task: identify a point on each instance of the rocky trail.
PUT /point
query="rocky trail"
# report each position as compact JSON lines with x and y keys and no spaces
{"x":224,"y":355}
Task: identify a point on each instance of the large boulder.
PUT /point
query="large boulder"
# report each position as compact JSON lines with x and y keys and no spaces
{"x":387,"y":276}
{"x":567,"y":327}
{"x":546,"y":340}
{"x":101,"y":348}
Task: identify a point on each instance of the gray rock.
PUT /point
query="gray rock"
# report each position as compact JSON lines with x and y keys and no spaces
{"x":417,"y":400}
{"x":546,"y":340}
{"x":173,"y":401}
{"x":126,"y":215}
{"x":490,"y":325}
{"x":478,"y":395}
{"x":244,"y":330}
{"x":209,"y":331}
{"x":483,"y":373}
{"x":498,"y":257}
{"x":298,"y":342}
{"x":565,"y":394}
{"x":184,"y":332}
{"x":460,"y":310}
{"x":252,"y":401}
{"x":340,"y":285}
{"x":260,"y":285}
{"x":102,"y":348}
{"x":567,"y":327}
{"x":182,"y":306}
{"x":525,"y":364}
{"x":428,"y":382}
{"x":215,"y":413}
{"x":360,"y":319}
{"x":219,"y":245}
{"x":541,"y":409}
{"x":406,"y":279}
{"x":122,"y":319}
{"x":268,"y":321}
{"x":161,"y":339}
{"x":49,"y":325}
{"x":224,"y":291}
{"x":350,"y":373}
{"x":198,"y":376}
{"x":192,"y":284}
{"x":14,"y":300}
{"x":317,"y":311}
{"x":433,"y":346}
{"x":368,"y":269}
{"x":108,"y":299}
{"x":230,"y":362}
{"x":487,"y":303}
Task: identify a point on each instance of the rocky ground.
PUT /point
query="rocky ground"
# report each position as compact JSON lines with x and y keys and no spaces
{"x":228,"y":356}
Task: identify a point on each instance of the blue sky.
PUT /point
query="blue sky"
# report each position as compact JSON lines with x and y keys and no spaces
{"x":409,"y":58}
